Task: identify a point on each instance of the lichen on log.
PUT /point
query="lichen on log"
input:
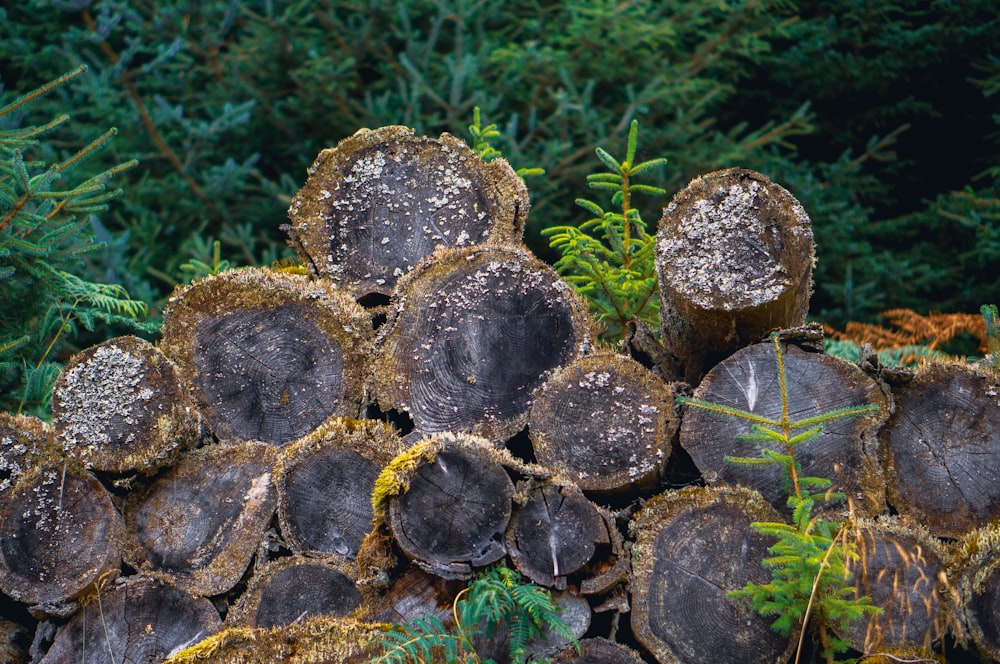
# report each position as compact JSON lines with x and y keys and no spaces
{"x":383,"y":199}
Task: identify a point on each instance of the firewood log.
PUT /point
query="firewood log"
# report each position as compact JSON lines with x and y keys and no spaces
{"x":606,"y":422}
{"x":325,"y":482}
{"x":25,"y":442}
{"x":734,"y":260}
{"x":691,"y":548}
{"x":138,"y":620}
{"x":270,"y":355}
{"x":941,"y":449}
{"x":597,"y":651}
{"x":200,"y":523}
{"x":845,"y":452}
{"x":59,"y":534}
{"x":976,"y":567}
{"x":471,"y":334}
{"x":121,"y":406}
{"x":383,"y":199}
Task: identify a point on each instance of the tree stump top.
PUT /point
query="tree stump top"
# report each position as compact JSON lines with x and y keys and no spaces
{"x":383,"y":199}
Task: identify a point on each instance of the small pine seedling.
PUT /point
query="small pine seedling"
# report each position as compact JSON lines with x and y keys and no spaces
{"x":611,"y":259}
{"x":481,"y":137}
{"x":497,"y":596}
{"x":808,"y":564}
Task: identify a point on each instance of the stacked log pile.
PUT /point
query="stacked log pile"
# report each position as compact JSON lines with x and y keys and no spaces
{"x":303,"y":459}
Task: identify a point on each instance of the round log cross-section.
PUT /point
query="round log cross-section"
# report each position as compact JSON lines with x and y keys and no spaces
{"x":137,"y":621}
{"x":455,"y":508}
{"x":473,"y":332}
{"x":845,"y":451}
{"x":121,"y":406}
{"x":604,"y":421}
{"x":325,"y":483}
{"x":270,"y":355}
{"x":692,"y":547}
{"x":25,"y":442}
{"x":201,"y":522}
{"x":59,"y":534}
{"x":383,"y":199}
{"x":734,"y":260}
{"x":941,"y":449}
{"x":978,"y":573}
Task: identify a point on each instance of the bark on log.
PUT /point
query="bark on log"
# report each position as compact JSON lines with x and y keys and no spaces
{"x":473,"y":332}
{"x":903,"y":570}
{"x":325,"y":483}
{"x":845,"y":452}
{"x":447,"y":501}
{"x":382,"y":200}
{"x":120,"y":406}
{"x":287,"y":590}
{"x":941,"y":449}
{"x":556,"y":533}
{"x":604,"y":421}
{"x":139,"y":620}
{"x":734,"y":260}
{"x":597,"y":651}
{"x":977,"y":570}
{"x":59,"y":533}
{"x":25,"y":442}
{"x":201,"y":522}
{"x":691,"y":548}
{"x":270,"y":355}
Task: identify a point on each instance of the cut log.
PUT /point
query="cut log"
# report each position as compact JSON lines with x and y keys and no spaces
{"x":555,"y":533}
{"x":121,"y":406}
{"x":287,"y":590}
{"x":59,"y":534}
{"x":734,"y":260}
{"x":845,"y":452}
{"x":574,"y":611}
{"x":13,"y":643}
{"x":903,"y":570}
{"x":597,"y":651}
{"x":382,"y":200}
{"x":325,"y":484}
{"x":315,"y":639}
{"x":138,"y":620}
{"x":417,"y":594}
{"x":977,"y":569}
{"x":25,"y":442}
{"x":473,"y":332}
{"x":200,"y":523}
{"x":270,"y":355}
{"x":606,"y":422}
{"x":448,"y":504}
{"x":941,"y":449}
{"x":691,"y":548}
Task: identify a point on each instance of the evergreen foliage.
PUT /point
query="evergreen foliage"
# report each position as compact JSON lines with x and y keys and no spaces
{"x":991,"y":319}
{"x":810,"y":581}
{"x":611,"y":258}
{"x":498,"y":596}
{"x":47,"y":229}
{"x":226,"y":103}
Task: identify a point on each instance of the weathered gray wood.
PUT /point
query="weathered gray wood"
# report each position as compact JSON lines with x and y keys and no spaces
{"x":471,"y":334}
{"x":941,"y":449}
{"x":976,"y":568}
{"x":845,"y":452}
{"x":597,"y":651}
{"x":138,"y":620}
{"x":200,"y":523}
{"x":120,"y":406}
{"x":734,"y":260}
{"x":270,"y":355}
{"x":383,"y":199}
{"x":59,"y":534}
{"x":691,"y":548}
{"x":25,"y":442}
{"x":606,"y":422}
{"x":902,"y":569}
{"x":287,"y":590}
{"x":325,"y":482}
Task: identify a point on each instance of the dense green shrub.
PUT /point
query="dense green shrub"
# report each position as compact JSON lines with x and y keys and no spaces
{"x":225,"y":103}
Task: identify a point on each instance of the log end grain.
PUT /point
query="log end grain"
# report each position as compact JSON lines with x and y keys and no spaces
{"x":383,"y":199}
{"x":25,"y":442}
